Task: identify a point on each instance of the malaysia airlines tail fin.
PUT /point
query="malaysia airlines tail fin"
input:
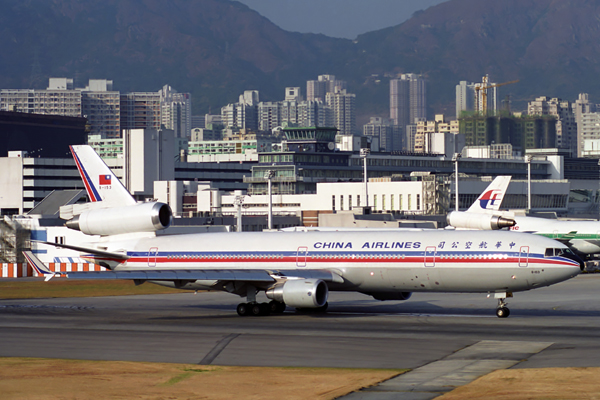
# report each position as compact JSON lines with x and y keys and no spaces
{"x":492,"y":196}
{"x":100,"y":182}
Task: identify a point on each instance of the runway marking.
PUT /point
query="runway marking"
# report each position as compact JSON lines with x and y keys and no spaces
{"x":214,"y":353}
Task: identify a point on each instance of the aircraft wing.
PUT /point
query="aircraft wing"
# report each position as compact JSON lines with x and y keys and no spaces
{"x":241,"y":275}
{"x":153,"y":274}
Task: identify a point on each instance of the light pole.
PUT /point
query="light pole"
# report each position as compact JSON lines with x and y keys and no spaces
{"x":238,"y":201}
{"x":528,"y":159}
{"x":598,"y":195}
{"x":269,"y":174}
{"x":364,"y":153}
{"x":455,"y":159}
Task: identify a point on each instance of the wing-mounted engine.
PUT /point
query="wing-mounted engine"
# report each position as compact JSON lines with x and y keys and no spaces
{"x":144,"y":217}
{"x":480,"y":221}
{"x":300,"y":293}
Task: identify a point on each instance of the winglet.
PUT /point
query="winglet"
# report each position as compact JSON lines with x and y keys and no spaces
{"x":492,"y":196}
{"x":39,"y":266}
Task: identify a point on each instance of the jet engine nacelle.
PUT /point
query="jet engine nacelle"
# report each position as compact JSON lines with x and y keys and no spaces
{"x":144,"y":217}
{"x":300,"y":293}
{"x":478,"y":221}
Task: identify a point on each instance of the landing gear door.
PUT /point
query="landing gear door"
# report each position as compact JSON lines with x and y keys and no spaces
{"x":524,"y":256}
{"x":301,"y":255}
{"x":430,"y":253}
{"x":152,"y":253}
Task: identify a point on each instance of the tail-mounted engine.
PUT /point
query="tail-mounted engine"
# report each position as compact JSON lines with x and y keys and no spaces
{"x":300,"y":293}
{"x":479,"y":221}
{"x":144,"y":217}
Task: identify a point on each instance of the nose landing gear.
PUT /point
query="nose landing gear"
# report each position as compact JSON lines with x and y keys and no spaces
{"x":502,"y":310}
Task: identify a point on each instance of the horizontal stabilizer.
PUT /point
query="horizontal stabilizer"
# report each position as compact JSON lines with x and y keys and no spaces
{"x":39,"y":266}
{"x":96,"y":252}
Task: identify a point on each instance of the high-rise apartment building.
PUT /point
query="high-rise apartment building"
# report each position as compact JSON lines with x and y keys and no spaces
{"x":408,"y":100}
{"x":317,"y":90}
{"x":244,"y":113}
{"x":176,"y":111}
{"x":583,"y":106}
{"x":475,"y":96}
{"x":343,"y":106}
{"x":566,"y":127}
{"x":389,"y":134}
{"x":465,"y":97}
{"x":101,"y":106}
{"x":140,"y":110}
{"x":108,"y":111}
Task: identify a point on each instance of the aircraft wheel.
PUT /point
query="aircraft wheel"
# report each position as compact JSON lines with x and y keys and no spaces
{"x":265,"y":309}
{"x":243,"y":309}
{"x":502,"y":312}
{"x":280,"y":307}
{"x":256,"y":309}
{"x":276,"y":307}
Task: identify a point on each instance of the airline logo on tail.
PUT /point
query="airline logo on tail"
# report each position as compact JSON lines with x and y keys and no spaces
{"x":490,"y":198}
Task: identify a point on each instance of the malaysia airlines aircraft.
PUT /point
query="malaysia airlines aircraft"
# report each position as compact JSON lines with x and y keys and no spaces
{"x":581,"y":236}
{"x":298,"y":269}
{"x":484,"y":213}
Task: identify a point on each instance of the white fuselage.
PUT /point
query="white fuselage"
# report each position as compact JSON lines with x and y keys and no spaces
{"x":368,"y":262}
{"x":582,"y":236}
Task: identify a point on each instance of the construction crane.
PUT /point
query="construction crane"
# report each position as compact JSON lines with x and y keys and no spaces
{"x":481,"y":91}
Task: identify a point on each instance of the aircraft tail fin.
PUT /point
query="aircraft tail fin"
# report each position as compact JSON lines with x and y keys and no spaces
{"x":492,"y":196}
{"x":100,"y":182}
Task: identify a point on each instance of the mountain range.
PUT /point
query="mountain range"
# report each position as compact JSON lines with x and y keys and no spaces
{"x":216,"y":49}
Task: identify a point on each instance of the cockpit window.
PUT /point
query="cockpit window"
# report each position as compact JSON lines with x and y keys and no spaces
{"x":552,"y":252}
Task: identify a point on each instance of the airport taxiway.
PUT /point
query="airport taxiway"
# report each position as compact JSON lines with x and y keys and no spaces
{"x":356,"y":332}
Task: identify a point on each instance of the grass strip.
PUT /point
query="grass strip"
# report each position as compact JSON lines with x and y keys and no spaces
{"x":62,"y":287}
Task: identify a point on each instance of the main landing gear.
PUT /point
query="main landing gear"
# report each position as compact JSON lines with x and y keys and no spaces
{"x":256,"y":309}
{"x":502,"y":310}
{"x":252,"y":307}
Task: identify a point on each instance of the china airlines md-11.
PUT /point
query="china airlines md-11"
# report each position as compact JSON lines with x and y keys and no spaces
{"x":298,"y":269}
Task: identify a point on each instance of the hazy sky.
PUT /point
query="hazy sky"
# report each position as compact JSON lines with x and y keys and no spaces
{"x":338,"y":18}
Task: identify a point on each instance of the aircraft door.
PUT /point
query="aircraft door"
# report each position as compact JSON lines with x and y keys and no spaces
{"x":524,"y":256}
{"x":152,"y":253}
{"x":430,"y":253}
{"x":301,"y":255}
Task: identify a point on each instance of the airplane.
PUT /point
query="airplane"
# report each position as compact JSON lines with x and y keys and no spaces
{"x":581,"y":236}
{"x":298,"y":269}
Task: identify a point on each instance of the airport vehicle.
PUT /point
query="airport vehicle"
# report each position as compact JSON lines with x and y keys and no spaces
{"x":298,"y":269}
{"x":583,"y":237}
